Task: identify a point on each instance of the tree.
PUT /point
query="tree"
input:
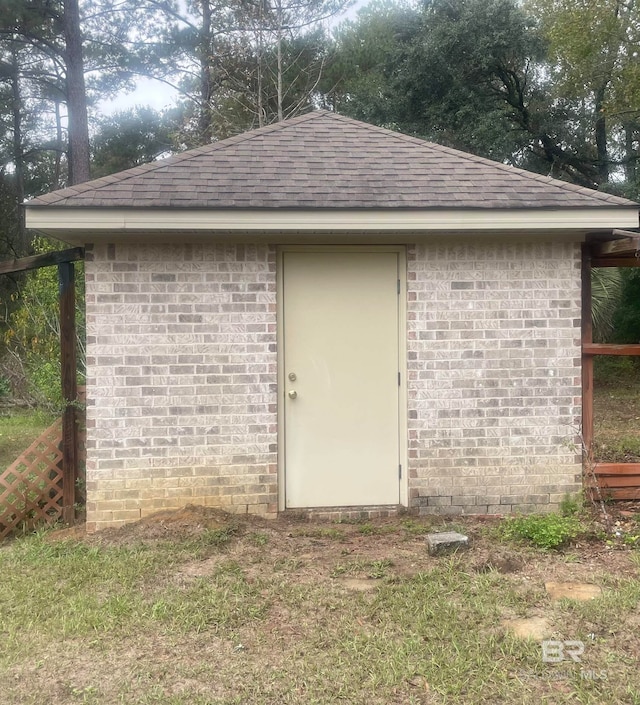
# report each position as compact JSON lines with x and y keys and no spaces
{"x":76,"y":94}
{"x":593,"y":60}
{"x":131,"y":138}
{"x":477,"y":75}
{"x":236,"y":64}
{"x":366,"y":56}
{"x":47,"y":34}
{"x":460,"y":72}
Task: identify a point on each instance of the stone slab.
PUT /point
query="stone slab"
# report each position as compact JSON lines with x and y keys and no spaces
{"x":445,"y":542}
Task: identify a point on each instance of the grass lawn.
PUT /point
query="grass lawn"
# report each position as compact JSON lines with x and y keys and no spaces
{"x":196,"y":608}
{"x":18,"y":430}
{"x":616,"y":410}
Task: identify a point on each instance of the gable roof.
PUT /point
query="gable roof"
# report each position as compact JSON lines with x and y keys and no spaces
{"x":324,"y":160}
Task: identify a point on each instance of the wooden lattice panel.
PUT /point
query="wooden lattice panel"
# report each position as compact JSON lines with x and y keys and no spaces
{"x":31,"y":488}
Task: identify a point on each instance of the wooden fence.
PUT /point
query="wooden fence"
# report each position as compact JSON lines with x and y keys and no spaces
{"x":31,"y":488}
{"x":617,"y":480}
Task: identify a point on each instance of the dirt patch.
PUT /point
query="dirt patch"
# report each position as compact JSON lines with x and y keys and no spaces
{"x":74,"y":533}
{"x":190,"y":521}
{"x":315,"y":551}
{"x":504,"y":562}
{"x":536,"y":628}
{"x":360,"y":584}
{"x":573,"y":591}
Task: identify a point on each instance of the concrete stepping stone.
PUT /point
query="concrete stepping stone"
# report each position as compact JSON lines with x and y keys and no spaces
{"x":573,"y":591}
{"x":445,"y":542}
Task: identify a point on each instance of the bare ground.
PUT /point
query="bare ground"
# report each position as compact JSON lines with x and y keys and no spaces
{"x":266,"y":662}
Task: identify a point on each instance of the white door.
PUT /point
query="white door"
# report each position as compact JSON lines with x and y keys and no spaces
{"x":341,"y":378}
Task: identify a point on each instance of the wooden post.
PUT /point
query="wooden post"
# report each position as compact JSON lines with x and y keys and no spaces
{"x":66,"y":281}
{"x":587,"y":359}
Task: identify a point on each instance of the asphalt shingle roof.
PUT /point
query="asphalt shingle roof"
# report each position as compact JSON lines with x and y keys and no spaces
{"x":325,"y":160}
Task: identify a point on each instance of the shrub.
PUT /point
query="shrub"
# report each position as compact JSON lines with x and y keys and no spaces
{"x":546,"y":531}
{"x":610,"y":370}
{"x":570,"y":506}
{"x":5,"y":386}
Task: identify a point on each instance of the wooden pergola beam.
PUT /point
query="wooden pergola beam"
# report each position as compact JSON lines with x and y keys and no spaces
{"x":627,"y":243}
{"x":48,"y":259}
{"x":626,"y":261}
{"x":610,"y":349}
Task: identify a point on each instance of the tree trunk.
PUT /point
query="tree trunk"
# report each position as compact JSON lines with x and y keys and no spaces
{"x":206,"y":89}
{"x":601,"y":136}
{"x":259,"y":106}
{"x":59,"y":145}
{"x":20,"y":242}
{"x":76,"y":96}
{"x":279,"y":68}
{"x":630,"y":157}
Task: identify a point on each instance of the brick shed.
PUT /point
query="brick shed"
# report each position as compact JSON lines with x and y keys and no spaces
{"x":326,"y":315}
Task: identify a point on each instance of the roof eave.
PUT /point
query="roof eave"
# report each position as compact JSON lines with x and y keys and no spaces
{"x":77,"y":223}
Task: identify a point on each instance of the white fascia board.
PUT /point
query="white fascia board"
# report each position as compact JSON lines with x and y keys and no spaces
{"x":60,"y":219}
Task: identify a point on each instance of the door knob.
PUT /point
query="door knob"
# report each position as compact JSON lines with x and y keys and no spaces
{"x":292,"y":394}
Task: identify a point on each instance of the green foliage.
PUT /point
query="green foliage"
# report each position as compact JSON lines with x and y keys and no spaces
{"x":33,"y":330}
{"x":130,"y":138}
{"x":18,"y":430}
{"x":626,"y":320}
{"x":606,"y":292}
{"x":614,"y":370}
{"x":367,"y":52}
{"x":259,"y":538}
{"x":570,"y":506}
{"x":546,"y":531}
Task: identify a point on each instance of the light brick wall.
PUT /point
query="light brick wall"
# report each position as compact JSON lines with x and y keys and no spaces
{"x":181,"y":387}
{"x":182,"y":360}
{"x":494,"y":375}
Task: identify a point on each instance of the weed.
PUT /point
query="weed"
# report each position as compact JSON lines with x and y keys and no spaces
{"x":259,"y":538}
{"x":546,"y":531}
{"x":411,"y":526}
{"x":372,"y":569}
{"x":379,"y":568}
{"x":320,"y":533}
{"x":219,"y":537}
{"x":5,"y":386}
{"x":368,"y":529}
{"x":570,"y":506}
{"x":453,"y":526}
